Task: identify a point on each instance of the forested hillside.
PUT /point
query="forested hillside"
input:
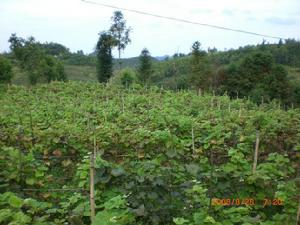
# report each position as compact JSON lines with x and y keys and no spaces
{"x":262,"y":73}
{"x":245,"y":72}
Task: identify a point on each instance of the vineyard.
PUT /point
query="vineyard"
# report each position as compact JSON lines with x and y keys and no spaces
{"x":145,"y":156}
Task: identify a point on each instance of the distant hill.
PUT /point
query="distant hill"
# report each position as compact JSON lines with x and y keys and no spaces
{"x":161,"y":58}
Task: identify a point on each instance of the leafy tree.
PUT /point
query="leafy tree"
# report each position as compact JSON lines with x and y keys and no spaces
{"x":212,"y":50}
{"x":35,"y":61}
{"x":277,"y":84}
{"x":104,"y":57}
{"x":49,"y":68}
{"x":119,"y":31}
{"x":257,"y":76}
{"x":5,"y":70}
{"x":196,"y":50}
{"x":61,"y":74}
{"x":125,"y":77}
{"x":53,"y":69}
{"x":262,"y":46}
{"x":128,"y":77}
{"x":79,"y":58}
{"x":235,"y":84}
{"x":293,"y":48}
{"x":30,"y":56}
{"x":296,"y":95}
{"x":178,"y":55}
{"x":256,"y":65}
{"x":16,"y":44}
{"x":281,"y":55}
{"x":145,"y":66}
{"x":182,"y":83}
{"x":55,"y":49}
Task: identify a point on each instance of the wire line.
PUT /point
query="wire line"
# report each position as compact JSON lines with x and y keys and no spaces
{"x":182,"y":20}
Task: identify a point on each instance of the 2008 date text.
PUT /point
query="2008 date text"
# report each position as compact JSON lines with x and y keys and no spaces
{"x":246,"y":201}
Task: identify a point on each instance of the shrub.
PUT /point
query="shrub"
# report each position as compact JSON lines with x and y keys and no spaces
{"x":125,"y":77}
{"x":5,"y":70}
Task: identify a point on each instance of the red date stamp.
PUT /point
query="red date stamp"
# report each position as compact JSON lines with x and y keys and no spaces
{"x":272,"y":202}
{"x":232,"y":201}
{"x":245,"y":202}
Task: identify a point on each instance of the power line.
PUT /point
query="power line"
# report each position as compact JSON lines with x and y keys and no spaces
{"x":182,"y":20}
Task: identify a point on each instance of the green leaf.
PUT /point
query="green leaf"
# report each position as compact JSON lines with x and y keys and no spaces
{"x":192,"y":169}
{"x":5,"y":214}
{"x":116,"y":172}
{"x":199,"y":217}
{"x":209,"y":220}
{"x":113,"y":217}
{"x":30,"y":181}
{"x":115,"y":203}
{"x":180,"y":221}
{"x":106,"y":218}
{"x":39,"y":173}
{"x":171,"y":153}
{"x":21,"y":218}
{"x":15,"y":201}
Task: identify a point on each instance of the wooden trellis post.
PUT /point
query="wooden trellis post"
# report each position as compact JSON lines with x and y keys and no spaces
{"x":256,"y":152}
{"x":193,"y":140}
{"x":31,"y":128}
{"x":240,"y":111}
{"x":20,"y":134}
{"x":298,"y":214}
{"x":211,"y":178}
{"x":92,"y":187}
{"x":199,"y":92}
{"x":95,"y":142}
{"x":123,"y":104}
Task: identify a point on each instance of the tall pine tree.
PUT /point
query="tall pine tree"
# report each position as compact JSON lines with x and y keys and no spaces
{"x":104,"y":57}
{"x":201,"y":71}
{"x":145,"y":66}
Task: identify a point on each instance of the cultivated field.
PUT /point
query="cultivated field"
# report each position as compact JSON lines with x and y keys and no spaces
{"x":161,"y":157}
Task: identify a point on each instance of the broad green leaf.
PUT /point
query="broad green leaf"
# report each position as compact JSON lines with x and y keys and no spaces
{"x":5,"y":214}
{"x":114,"y":203}
{"x":15,"y":201}
{"x":30,"y":181}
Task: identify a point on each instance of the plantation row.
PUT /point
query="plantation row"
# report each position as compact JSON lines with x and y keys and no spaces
{"x":162,"y":157}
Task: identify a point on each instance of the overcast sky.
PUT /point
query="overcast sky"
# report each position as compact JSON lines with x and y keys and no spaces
{"x":76,"y":24}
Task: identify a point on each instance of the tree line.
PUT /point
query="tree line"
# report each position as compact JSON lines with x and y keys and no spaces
{"x":255,"y":72}
{"x":33,"y":59}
